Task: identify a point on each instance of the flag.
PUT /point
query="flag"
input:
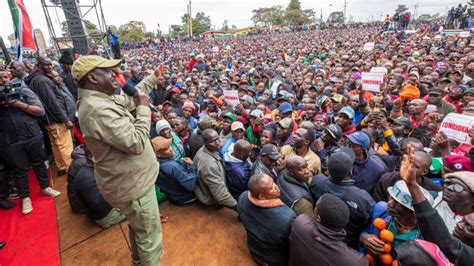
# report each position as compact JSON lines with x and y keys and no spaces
{"x":22,"y":25}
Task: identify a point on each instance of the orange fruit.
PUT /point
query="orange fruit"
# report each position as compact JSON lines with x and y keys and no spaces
{"x":380,"y":224}
{"x":395,"y":263}
{"x":386,"y":236}
{"x":386,"y":259}
{"x":387,"y":248}
{"x":372,"y":260}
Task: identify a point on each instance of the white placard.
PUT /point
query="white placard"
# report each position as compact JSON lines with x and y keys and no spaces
{"x":379,"y":70}
{"x":371,"y":81}
{"x":215,"y":49}
{"x":231,"y":97}
{"x":457,"y":127}
{"x":274,"y":88}
{"x":369,"y":46}
{"x":464,"y":34}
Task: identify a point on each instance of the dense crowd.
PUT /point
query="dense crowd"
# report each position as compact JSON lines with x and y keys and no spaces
{"x":320,"y":170}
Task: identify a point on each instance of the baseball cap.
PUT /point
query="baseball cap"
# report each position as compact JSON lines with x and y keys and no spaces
{"x":286,"y":122}
{"x":341,"y":162}
{"x":458,"y":163}
{"x":399,"y":192}
{"x":470,"y":90}
{"x":285,"y":108}
{"x":334,"y":130}
{"x":337,"y":98}
{"x":257,"y":113}
{"x":348,"y":111}
{"x":436,"y":90}
{"x":467,"y":177}
{"x":87,"y":63}
{"x":160,"y":143}
{"x":361,"y":139}
{"x":271,"y":151}
{"x":401,"y":121}
{"x":236,"y":126}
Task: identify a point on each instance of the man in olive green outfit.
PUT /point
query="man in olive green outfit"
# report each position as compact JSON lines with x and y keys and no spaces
{"x":125,"y":164}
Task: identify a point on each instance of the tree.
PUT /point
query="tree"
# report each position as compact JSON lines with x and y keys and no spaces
{"x":268,"y":16}
{"x":310,"y":14}
{"x":294,"y":5}
{"x":296,"y":17}
{"x":177,"y":30}
{"x":149,"y":35}
{"x":131,"y":33}
{"x":91,"y":28}
{"x":225,"y":26}
{"x":401,"y":8}
{"x":336,"y":17}
{"x":201,"y":23}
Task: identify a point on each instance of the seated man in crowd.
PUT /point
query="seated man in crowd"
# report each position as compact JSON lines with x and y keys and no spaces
{"x":238,"y":131}
{"x":320,"y":241}
{"x":340,"y":184}
{"x":267,"y":221}
{"x":237,"y":168}
{"x":87,"y":192}
{"x":266,"y":161}
{"x":293,"y":182}
{"x":212,"y":188}
{"x":176,"y":180}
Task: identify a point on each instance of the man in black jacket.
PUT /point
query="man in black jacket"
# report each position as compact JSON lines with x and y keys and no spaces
{"x":56,"y":120}
{"x":458,"y":247}
{"x":343,"y":186}
{"x":21,"y":140}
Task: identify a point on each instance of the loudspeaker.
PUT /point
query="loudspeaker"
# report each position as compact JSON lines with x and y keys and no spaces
{"x":77,"y":28}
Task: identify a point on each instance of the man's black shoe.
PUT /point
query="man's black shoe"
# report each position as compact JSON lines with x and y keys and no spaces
{"x":62,"y":172}
{"x":5,"y":204}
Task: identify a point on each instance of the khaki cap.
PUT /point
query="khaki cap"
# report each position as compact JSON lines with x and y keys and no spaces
{"x":86,"y":64}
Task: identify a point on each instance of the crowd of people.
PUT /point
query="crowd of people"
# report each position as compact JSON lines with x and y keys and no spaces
{"x":305,"y":154}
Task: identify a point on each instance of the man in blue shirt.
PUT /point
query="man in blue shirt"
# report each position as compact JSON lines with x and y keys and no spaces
{"x":113,"y":38}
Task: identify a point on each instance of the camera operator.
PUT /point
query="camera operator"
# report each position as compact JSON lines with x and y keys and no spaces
{"x":21,"y":140}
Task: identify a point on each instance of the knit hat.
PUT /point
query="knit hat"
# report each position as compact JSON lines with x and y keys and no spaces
{"x":399,"y":192}
{"x":66,"y":59}
{"x":162,"y":124}
{"x":465,"y":176}
{"x":409,"y":92}
{"x":188,"y":104}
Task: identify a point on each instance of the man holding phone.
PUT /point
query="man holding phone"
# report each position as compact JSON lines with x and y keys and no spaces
{"x":125,"y":164}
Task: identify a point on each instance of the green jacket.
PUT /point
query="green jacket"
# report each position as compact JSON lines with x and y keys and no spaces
{"x":125,"y":163}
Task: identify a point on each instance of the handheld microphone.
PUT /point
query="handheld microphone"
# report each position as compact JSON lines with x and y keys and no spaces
{"x":131,"y":91}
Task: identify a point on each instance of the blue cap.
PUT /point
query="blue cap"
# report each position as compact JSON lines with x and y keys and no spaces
{"x":348,"y":111}
{"x":285,"y":108}
{"x":360,"y":138}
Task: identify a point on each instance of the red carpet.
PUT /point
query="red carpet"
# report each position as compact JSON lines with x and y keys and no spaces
{"x":32,"y":239}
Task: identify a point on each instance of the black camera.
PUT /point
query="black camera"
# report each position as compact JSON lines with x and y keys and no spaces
{"x":10,"y":92}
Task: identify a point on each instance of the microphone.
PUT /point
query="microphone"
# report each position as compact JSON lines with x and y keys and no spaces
{"x":131,"y":91}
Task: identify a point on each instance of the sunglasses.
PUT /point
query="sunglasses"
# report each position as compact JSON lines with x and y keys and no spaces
{"x":453,"y":186}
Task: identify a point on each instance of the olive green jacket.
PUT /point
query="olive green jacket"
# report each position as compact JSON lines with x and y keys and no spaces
{"x":125,"y":163}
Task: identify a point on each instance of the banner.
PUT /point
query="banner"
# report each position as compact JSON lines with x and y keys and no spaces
{"x":464,"y":34}
{"x":22,"y":25}
{"x":369,"y":46}
{"x":371,"y":81}
{"x":231,"y":97}
{"x":379,"y":70}
{"x":457,"y":127}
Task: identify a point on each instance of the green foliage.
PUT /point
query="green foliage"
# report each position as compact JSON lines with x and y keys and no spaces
{"x":131,"y":34}
{"x":149,"y":35}
{"x":201,"y":23}
{"x":336,"y":17}
{"x":276,"y":15}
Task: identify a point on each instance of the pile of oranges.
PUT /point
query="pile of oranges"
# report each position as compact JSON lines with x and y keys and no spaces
{"x":386,"y":236}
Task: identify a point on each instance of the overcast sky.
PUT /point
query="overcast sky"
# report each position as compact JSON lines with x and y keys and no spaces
{"x":237,"y":12}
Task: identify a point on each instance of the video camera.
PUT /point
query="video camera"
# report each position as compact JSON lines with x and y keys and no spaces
{"x":10,"y":92}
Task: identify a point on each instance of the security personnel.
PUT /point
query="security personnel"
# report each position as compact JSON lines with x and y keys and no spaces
{"x":21,"y":140}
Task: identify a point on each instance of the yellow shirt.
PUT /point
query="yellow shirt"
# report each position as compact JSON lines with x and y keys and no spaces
{"x":314,"y":163}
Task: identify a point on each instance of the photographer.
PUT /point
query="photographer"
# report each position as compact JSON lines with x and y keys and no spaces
{"x":21,"y":140}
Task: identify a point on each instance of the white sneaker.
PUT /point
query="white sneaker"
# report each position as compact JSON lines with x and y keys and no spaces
{"x":50,"y":192}
{"x":27,"y":206}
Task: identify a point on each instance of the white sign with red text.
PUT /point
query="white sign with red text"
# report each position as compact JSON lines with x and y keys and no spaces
{"x":231,"y":97}
{"x":457,"y":127}
{"x":371,"y":81}
{"x":369,"y":46}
